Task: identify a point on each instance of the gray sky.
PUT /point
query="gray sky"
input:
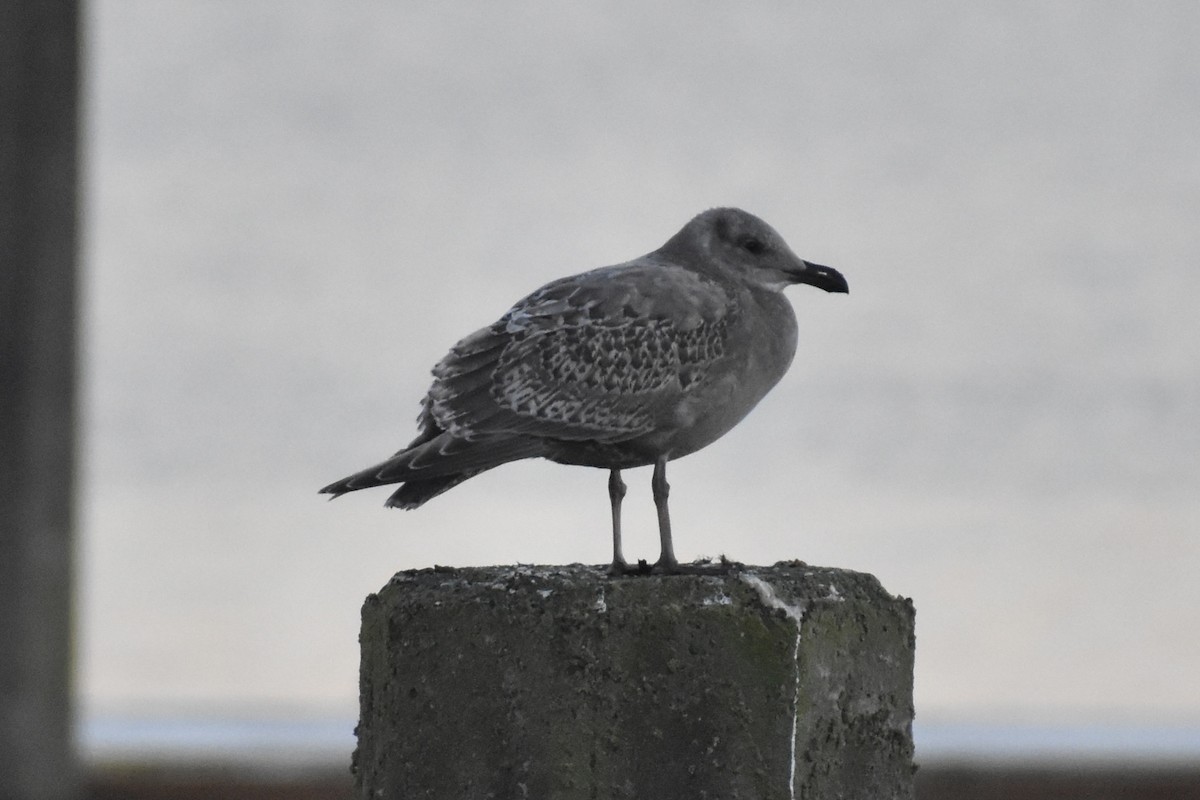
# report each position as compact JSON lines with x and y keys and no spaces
{"x":295,"y":208}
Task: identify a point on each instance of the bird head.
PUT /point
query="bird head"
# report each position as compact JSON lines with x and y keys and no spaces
{"x":733,"y":240}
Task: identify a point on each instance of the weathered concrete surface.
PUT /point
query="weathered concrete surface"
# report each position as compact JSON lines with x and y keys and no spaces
{"x":558,"y":683}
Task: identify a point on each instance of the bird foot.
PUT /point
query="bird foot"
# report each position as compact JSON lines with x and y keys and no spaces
{"x":642,"y":567}
{"x":721,"y":566}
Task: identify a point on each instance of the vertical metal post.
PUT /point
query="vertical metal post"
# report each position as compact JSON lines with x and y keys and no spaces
{"x":39,"y":112}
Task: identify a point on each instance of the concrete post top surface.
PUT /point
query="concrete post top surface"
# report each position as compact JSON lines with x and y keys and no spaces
{"x":787,"y":586}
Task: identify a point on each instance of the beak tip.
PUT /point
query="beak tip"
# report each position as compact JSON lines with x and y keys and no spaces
{"x":823,"y":277}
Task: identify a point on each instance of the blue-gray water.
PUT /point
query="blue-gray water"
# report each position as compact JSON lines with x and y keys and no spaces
{"x":327,"y":742}
{"x":294,"y":208}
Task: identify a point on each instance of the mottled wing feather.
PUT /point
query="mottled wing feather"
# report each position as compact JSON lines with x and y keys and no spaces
{"x":597,"y":356}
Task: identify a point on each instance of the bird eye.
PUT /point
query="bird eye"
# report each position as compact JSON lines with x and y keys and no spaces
{"x":753,"y":246}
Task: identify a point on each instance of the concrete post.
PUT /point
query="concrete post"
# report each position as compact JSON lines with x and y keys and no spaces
{"x":559,"y":683}
{"x":39,"y":70}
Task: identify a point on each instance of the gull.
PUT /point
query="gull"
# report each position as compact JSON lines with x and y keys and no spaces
{"x":624,"y":366}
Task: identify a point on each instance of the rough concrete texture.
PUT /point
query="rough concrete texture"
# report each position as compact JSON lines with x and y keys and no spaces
{"x":558,"y":683}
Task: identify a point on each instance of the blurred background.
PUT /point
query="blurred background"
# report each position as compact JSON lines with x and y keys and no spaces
{"x":292,"y":209}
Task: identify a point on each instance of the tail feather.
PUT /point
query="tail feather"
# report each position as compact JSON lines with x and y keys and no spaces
{"x":446,"y":455}
{"x":436,"y":465}
{"x":412,"y":494}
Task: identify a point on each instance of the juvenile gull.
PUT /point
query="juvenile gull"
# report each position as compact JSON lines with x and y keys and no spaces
{"x":620,"y":367}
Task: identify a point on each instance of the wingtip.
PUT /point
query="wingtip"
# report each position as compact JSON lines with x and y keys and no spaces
{"x":336,"y":489}
{"x":403,"y":506}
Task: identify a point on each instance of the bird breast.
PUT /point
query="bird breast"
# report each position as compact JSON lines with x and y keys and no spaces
{"x":759,"y":350}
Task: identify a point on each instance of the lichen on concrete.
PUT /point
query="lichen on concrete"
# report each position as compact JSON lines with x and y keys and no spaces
{"x":787,"y":681}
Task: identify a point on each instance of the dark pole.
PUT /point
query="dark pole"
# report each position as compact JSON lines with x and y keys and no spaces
{"x":39,"y":112}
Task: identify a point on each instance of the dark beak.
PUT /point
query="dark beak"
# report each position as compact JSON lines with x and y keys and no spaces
{"x":826,"y":278}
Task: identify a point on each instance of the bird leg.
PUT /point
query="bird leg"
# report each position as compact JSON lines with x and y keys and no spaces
{"x":661,"y":489}
{"x":616,"y":493}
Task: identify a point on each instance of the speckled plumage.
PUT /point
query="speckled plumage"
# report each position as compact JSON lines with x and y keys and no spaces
{"x":618,"y":367}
